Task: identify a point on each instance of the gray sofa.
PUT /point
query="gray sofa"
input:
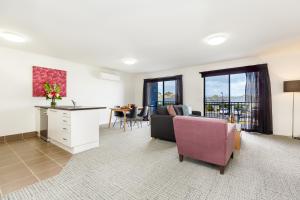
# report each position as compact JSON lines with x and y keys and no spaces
{"x":162,"y":122}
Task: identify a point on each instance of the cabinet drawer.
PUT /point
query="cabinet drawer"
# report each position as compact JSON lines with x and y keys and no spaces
{"x":66,"y":120}
{"x":65,"y":139}
{"x":65,"y":114}
{"x":65,"y":129}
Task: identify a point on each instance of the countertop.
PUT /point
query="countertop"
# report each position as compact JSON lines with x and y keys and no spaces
{"x":72,"y":108}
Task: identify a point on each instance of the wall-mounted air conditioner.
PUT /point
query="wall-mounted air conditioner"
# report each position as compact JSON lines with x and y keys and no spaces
{"x":109,"y":76}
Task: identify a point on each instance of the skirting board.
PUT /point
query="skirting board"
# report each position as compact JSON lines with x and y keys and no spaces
{"x":77,"y":149}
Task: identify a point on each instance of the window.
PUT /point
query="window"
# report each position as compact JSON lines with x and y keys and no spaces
{"x":163,"y":91}
{"x":243,"y":93}
{"x":225,"y":96}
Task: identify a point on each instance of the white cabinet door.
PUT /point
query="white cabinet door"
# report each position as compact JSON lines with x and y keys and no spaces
{"x":53,"y":124}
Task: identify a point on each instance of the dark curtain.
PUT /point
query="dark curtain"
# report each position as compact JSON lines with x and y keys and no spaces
{"x":258,"y":94}
{"x":265,"y":117}
{"x":179,"y":90}
{"x":145,"y":95}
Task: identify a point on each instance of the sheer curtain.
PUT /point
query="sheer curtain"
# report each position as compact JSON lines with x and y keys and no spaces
{"x":252,"y":97}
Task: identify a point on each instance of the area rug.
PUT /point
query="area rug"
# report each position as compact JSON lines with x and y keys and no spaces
{"x":132,"y":165}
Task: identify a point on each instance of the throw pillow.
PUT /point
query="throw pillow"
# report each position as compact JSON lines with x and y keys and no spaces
{"x":171,"y":111}
{"x":185,"y":110}
{"x":190,"y":110}
{"x":178,"y":109}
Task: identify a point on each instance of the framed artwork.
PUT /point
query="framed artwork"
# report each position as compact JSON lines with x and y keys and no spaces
{"x":41,"y":75}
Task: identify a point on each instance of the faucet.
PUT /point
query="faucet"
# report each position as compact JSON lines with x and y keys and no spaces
{"x":73,"y":102}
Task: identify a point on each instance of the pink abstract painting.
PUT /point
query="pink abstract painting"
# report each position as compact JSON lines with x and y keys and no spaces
{"x":41,"y":75}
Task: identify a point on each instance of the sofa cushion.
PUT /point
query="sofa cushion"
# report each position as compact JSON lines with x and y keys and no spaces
{"x":185,"y":110}
{"x":178,"y":109}
{"x":162,"y":110}
{"x":171,"y":110}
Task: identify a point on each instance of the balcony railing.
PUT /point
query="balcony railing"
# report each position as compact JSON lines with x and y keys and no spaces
{"x":160,"y":103}
{"x":243,"y":112}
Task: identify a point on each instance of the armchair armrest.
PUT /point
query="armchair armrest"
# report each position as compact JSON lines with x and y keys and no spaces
{"x":230,"y":140}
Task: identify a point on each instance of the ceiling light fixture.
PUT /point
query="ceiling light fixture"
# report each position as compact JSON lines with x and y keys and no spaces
{"x":129,"y":61}
{"x":13,"y":37}
{"x":216,"y":39}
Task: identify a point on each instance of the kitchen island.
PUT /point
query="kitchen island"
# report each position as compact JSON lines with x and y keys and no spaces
{"x":73,"y":128}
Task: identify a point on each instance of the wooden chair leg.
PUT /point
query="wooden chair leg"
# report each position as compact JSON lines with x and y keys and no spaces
{"x":222,"y":169}
{"x":231,"y":156}
{"x":180,"y":158}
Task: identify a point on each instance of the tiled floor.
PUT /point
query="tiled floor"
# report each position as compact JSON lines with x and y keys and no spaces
{"x":27,"y":161}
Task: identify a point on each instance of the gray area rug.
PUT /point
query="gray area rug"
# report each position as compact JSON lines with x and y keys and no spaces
{"x":131,"y":165}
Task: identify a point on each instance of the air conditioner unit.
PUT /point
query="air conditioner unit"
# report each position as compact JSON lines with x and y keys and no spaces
{"x":109,"y":76}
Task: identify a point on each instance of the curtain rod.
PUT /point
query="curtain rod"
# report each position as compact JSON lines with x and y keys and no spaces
{"x":235,"y":70}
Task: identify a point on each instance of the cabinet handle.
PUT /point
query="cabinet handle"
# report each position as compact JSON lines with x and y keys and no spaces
{"x":64,"y":139}
{"x":65,"y":128}
{"x":64,"y":120}
{"x":52,"y":110}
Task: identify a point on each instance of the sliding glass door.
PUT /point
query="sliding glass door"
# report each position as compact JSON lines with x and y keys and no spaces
{"x":162,"y":91}
{"x":225,"y":96}
{"x":243,"y":93}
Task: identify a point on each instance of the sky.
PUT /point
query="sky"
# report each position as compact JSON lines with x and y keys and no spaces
{"x":217,"y":84}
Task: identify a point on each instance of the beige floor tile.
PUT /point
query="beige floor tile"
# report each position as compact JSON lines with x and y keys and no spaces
{"x":13,"y":172}
{"x":18,"y":184}
{"x":4,"y":148}
{"x":9,"y":160}
{"x":59,"y":155}
{"x":37,"y":160}
{"x":21,"y":147}
{"x":30,"y":155}
{"x":13,"y":138}
{"x":49,"y":173}
{"x":42,"y":166}
{"x":6,"y":153}
{"x":63,"y":160}
{"x":43,"y":159}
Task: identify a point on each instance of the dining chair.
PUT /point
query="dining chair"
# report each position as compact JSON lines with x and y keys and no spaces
{"x":131,"y":116}
{"x":118,"y":116}
{"x":143,"y":115}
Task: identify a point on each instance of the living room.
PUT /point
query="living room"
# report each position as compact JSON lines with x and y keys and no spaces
{"x":93,"y":95}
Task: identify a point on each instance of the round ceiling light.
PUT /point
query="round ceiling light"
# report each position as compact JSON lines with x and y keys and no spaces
{"x":13,"y":37}
{"x":129,"y":61}
{"x":216,"y":39}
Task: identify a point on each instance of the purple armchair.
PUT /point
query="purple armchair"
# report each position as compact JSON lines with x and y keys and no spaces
{"x":209,"y":140}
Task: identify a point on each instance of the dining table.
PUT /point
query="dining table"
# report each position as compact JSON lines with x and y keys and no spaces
{"x":124,"y":110}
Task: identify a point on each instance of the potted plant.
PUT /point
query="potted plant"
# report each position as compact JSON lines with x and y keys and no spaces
{"x":52,"y":91}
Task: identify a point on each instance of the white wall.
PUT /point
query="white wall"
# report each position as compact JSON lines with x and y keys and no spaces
{"x":284,"y":64}
{"x":17,"y":104}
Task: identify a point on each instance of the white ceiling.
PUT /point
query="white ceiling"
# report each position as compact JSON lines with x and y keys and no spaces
{"x":161,"y":34}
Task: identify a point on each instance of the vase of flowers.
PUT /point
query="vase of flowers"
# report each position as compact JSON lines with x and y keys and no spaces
{"x":52,"y":91}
